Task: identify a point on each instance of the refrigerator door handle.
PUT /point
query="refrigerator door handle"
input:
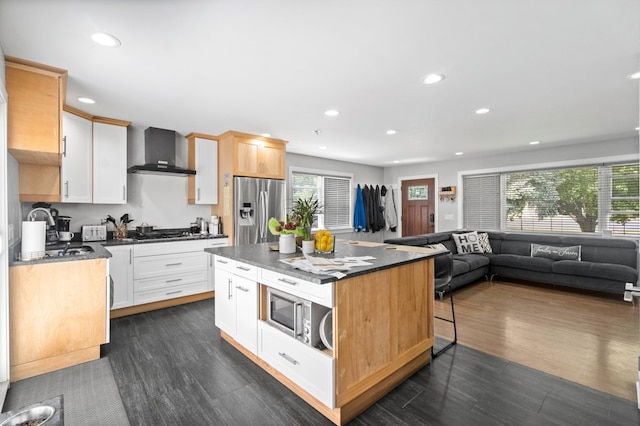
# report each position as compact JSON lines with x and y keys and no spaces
{"x":263,"y":216}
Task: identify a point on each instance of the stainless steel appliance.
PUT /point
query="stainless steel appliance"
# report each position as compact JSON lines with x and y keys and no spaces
{"x":255,"y":201}
{"x":94,"y":232}
{"x":295,"y":316}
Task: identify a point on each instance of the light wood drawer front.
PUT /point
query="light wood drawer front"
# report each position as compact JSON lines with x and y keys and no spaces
{"x":318,"y":293}
{"x":224,"y":263}
{"x":153,"y":249}
{"x":159,"y":266}
{"x":309,"y":368}
{"x":166,"y":281}
{"x":169,"y":292}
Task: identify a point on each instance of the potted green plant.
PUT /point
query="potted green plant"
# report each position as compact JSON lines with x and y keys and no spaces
{"x":303,"y":212}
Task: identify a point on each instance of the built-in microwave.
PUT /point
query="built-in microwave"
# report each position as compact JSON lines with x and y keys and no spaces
{"x":295,"y":316}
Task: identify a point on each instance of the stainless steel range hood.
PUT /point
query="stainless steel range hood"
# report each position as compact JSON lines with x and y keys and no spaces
{"x":160,"y":154}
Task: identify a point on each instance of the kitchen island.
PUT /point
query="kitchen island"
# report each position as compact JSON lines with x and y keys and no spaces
{"x":381,"y":324}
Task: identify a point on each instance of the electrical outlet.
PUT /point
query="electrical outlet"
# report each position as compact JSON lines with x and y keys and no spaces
{"x":448,"y":217}
{"x":10,"y":232}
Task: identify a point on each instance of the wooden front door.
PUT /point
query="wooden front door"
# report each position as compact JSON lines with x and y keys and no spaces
{"x":418,"y":207}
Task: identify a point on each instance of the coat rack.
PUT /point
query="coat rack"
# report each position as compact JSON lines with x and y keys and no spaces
{"x":447,"y":193}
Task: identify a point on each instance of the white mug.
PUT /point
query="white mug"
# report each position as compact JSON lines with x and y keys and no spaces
{"x":65,"y":235}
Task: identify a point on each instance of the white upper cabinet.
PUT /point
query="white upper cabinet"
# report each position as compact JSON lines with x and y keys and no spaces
{"x":76,"y":168}
{"x":109,"y":164}
{"x":203,"y":158}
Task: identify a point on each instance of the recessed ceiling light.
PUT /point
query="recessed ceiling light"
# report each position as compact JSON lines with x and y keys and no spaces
{"x":396,"y":161}
{"x":332,"y":112}
{"x":391,"y":132}
{"x":432,"y":78}
{"x":87,"y":100}
{"x":266,"y":135}
{"x":459,"y":153}
{"x":482,"y":110}
{"x":322,"y":147}
{"x":634,"y":76}
{"x":105,"y":39}
{"x":637,"y":128}
{"x":534,"y":142}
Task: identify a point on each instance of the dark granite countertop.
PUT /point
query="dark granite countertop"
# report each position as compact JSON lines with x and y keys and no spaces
{"x":262,"y":256}
{"x":129,"y":241}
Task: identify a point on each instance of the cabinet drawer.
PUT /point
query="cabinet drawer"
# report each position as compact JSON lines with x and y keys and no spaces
{"x":224,"y":263}
{"x":309,"y":368}
{"x":162,"y":265}
{"x":166,"y":281}
{"x":318,"y":293}
{"x":171,"y":247}
{"x":169,"y":292}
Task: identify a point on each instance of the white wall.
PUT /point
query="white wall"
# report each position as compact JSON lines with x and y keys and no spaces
{"x":447,"y":171}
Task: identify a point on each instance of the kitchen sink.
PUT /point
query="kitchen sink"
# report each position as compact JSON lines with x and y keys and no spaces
{"x":73,"y":250}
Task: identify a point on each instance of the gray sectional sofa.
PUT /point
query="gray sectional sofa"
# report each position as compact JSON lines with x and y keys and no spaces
{"x":605,"y":264}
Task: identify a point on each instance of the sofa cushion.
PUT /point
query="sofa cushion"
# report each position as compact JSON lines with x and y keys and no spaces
{"x":416,"y":240}
{"x":556,"y":253}
{"x":460,"y":267}
{"x":540,"y":264}
{"x":483,"y":238}
{"x":474,"y":261}
{"x":608,"y":271}
{"x":467,"y":243}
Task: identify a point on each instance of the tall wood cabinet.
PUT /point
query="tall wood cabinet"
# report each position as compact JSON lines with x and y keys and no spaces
{"x":34,"y":112}
{"x":244,"y":154}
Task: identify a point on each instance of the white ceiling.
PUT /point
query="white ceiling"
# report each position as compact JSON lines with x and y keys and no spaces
{"x":553,"y":71}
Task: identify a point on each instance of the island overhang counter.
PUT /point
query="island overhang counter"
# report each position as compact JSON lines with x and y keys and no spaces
{"x":382,"y":320}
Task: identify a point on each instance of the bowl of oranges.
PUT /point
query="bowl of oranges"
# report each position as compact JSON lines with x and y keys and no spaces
{"x":325,"y":241}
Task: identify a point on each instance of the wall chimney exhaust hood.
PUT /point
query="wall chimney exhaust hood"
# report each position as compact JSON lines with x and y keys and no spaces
{"x":160,"y":154}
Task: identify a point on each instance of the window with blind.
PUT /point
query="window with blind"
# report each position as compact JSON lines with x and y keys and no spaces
{"x":332,"y":191}
{"x":594,"y":198}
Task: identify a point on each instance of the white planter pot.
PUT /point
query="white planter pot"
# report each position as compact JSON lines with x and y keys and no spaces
{"x":308,"y":246}
{"x":287,"y":243}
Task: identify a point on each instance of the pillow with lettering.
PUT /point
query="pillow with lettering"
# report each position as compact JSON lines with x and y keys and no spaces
{"x":467,"y":243}
{"x":556,"y":253}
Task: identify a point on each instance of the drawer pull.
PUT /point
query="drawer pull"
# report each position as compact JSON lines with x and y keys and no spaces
{"x":224,"y":262}
{"x":239,"y":287}
{"x":174,"y":264}
{"x":174,"y":281}
{"x":173,"y":292}
{"x":243,"y":268}
{"x":288,"y":358}
{"x":286,"y":281}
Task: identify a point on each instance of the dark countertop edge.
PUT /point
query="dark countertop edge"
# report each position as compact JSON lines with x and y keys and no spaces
{"x":274,"y":264}
{"x":98,"y":248}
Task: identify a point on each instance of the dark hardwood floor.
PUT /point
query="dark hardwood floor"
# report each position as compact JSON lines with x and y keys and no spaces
{"x":172,"y":368}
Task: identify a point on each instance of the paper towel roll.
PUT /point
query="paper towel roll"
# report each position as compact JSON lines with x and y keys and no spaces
{"x":33,"y":239}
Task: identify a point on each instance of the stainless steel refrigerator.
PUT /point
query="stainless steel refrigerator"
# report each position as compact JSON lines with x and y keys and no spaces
{"x":256,"y":200}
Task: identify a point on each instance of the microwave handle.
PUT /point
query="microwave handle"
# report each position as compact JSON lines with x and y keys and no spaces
{"x":297,"y":320}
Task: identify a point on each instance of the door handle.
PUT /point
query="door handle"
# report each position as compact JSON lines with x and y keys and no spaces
{"x":431,"y":218}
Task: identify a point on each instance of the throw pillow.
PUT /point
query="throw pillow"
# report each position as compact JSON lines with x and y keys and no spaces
{"x":556,"y":253}
{"x":467,"y":243}
{"x":483,"y":237}
{"x":438,"y":246}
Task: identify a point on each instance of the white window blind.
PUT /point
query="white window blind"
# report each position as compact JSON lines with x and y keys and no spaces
{"x":481,"y":201}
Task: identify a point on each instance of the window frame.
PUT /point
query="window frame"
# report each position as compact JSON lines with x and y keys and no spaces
{"x":322,"y":174}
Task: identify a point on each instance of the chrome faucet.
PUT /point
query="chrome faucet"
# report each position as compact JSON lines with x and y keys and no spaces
{"x":32,"y":215}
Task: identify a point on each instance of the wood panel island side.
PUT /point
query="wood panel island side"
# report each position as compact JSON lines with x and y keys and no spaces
{"x":382,"y":321}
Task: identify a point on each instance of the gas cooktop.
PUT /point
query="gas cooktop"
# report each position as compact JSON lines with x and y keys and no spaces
{"x":163,"y":234}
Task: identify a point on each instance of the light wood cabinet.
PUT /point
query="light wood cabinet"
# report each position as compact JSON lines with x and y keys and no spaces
{"x":121,"y":271}
{"x":203,"y":158}
{"x":255,"y":156}
{"x":57,"y":315}
{"x":36,"y":95}
{"x":77,"y":156}
{"x":109,"y":161}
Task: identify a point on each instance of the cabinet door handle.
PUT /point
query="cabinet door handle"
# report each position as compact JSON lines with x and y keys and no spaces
{"x":224,"y":262}
{"x":130,"y":256}
{"x":198,"y":194}
{"x":246,"y":290}
{"x":173,"y":264}
{"x":230,"y":295}
{"x":288,"y":358}
{"x":286,"y":281}
{"x":174,"y":281}
{"x":210,"y":260}
{"x":66,"y":189}
{"x":64,"y":146}
{"x":173,"y":292}
{"x":124,"y":192}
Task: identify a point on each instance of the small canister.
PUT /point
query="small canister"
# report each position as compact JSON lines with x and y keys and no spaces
{"x":213,"y":226}
{"x":204,"y":227}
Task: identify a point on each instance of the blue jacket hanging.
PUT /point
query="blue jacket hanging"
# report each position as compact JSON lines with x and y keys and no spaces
{"x":359,"y":219}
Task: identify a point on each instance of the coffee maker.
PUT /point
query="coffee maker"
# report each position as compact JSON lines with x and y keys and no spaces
{"x":62,"y":226}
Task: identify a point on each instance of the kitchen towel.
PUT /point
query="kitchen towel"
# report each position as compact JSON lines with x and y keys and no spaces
{"x":33,"y":239}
